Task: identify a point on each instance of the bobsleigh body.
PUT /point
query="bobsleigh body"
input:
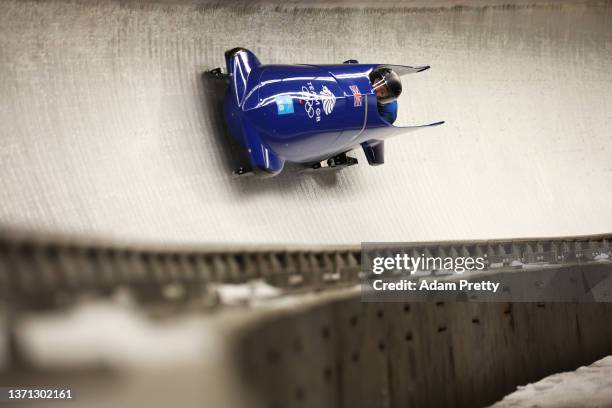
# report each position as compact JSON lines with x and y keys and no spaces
{"x":304,"y":113}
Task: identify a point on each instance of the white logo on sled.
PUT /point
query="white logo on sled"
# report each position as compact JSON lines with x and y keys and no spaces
{"x":315,"y":103}
{"x":329,"y":100}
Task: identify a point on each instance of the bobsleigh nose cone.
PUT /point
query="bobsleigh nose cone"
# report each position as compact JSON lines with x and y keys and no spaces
{"x":234,"y":51}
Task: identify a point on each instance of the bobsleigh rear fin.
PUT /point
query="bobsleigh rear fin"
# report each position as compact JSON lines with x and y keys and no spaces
{"x":384,"y":132}
{"x":405,"y":69}
{"x":240,"y":62}
{"x":415,"y":127}
{"x":427,"y":125}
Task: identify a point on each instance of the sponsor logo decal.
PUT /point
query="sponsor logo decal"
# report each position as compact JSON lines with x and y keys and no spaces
{"x":356,"y":95}
{"x":284,"y":104}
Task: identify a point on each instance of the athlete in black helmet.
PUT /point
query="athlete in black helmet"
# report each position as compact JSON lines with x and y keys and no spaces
{"x":387,"y":85}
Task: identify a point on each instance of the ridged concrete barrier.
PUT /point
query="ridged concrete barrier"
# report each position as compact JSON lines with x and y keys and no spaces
{"x":35,"y":268}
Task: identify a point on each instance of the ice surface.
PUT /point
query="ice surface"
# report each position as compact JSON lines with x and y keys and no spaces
{"x":586,"y":387}
{"x":108,"y":128}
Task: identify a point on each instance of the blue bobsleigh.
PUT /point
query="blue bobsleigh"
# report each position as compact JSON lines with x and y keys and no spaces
{"x":308,"y":114}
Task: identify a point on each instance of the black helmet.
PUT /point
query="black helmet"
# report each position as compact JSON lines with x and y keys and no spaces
{"x":390,"y":80}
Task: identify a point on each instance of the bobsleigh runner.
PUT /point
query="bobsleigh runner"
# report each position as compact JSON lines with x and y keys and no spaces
{"x":310,"y":114}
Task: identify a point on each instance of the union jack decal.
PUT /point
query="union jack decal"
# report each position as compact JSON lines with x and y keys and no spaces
{"x":356,"y":95}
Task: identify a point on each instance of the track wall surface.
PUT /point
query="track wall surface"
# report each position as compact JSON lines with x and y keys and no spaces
{"x":108,"y":128}
{"x":345,"y":353}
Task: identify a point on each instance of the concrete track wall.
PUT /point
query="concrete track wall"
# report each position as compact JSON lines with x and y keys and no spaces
{"x":344,"y":353}
{"x":108,"y":129}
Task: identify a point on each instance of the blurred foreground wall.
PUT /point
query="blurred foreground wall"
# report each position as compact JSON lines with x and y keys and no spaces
{"x":279,"y":327}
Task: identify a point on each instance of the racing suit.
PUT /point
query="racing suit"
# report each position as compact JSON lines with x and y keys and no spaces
{"x":388,"y":111}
